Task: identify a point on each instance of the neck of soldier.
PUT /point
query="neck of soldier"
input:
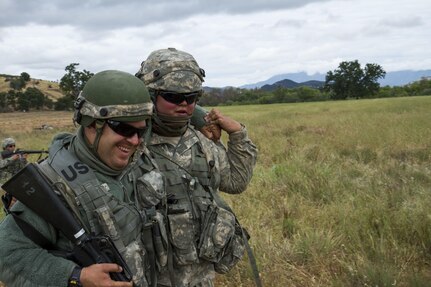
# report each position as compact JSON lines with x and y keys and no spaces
{"x":170,"y":126}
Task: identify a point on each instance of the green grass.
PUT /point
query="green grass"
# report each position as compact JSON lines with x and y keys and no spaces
{"x":340,"y":195}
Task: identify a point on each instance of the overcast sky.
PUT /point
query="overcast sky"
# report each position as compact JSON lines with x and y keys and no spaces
{"x":237,"y":42}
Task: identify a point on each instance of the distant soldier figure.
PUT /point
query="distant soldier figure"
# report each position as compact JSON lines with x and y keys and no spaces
{"x":10,"y":164}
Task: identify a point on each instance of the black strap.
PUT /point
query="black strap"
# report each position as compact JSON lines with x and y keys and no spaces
{"x":251,"y":258}
{"x":149,"y":246}
{"x":31,"y":232}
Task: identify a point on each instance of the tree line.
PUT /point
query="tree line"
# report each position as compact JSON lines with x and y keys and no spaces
{"x":20,"y":98}
{"x":17,"y":99}
{"x":348,"y":81}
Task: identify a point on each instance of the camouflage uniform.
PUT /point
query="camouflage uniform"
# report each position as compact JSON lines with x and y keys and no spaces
{"x":202,"y":234}
{"x":106,"y":200}
{"x":9,"y":166}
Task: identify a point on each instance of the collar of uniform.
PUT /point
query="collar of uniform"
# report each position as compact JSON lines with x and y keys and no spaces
{"x":187,"y":140}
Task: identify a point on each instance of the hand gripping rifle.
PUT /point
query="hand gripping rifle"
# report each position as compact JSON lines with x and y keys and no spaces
{"x":31,"y":187}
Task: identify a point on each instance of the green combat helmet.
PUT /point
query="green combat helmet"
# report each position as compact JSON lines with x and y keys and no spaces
{"x":171,"y":70}
{"x":113,"y":95}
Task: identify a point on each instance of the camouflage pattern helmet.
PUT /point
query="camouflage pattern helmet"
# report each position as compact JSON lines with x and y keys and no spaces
{"x":113,"y":95}
{"x":8,"y":141}
{"x":171,"y":70}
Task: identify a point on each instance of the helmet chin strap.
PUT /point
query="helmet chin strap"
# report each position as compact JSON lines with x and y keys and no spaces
{"x":99,"y":128}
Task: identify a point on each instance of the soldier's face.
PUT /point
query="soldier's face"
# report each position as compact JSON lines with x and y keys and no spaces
{"x":172,"y":109}
{"x":10,"y":147}
{"x":115,"y":149}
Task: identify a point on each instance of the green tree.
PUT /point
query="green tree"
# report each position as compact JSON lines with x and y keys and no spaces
{"x":307,"y":94}
{"x":419,"y":88}
{"x":63,"y":103}
{"x":74,"y":81}
{"x":35,"y":97}
{"x":3,"y":101}
{"x":349,"y":80}
{"x":11,"y":99}
{"x":25,"y":76}
{"x":23,"y":101}
{"x":17,"y":83}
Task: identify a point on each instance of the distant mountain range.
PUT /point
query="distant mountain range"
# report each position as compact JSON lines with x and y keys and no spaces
{"x":396,"y":78}
{"x":292,"y":84}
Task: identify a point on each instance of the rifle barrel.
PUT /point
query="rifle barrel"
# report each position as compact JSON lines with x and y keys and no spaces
{"x":6,"y":154}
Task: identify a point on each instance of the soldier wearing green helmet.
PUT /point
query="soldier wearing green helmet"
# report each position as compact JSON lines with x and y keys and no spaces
{"x":203,"y":235}
{"x":104,"y":168}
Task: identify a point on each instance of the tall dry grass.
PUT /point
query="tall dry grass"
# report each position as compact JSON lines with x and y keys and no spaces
{"x":340,"y":195}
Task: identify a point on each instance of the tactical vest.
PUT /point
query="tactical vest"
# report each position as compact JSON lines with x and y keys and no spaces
{"x":199,"y":227}
{"x":100,"y":211}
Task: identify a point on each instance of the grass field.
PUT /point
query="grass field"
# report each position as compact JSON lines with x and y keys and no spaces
{"x":340,"y":195}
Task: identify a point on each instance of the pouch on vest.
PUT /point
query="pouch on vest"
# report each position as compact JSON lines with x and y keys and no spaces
{"x":218,"y":229}
{"x":233,"y":253}
{"x":134,"y":254}
{"x":183,"y":238}
{"x":160,"y":239}
{"x":150,"y":188}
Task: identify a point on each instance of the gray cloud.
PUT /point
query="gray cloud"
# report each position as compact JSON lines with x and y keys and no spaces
{"x":108,"y":14}
{"x":236,"y":42}
{"x":403,"y":22}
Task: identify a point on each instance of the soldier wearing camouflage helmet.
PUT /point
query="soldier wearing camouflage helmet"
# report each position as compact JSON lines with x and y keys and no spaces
{"x":10,"y":163}
{"x":203,"y":235}
{"x":104,"y":168}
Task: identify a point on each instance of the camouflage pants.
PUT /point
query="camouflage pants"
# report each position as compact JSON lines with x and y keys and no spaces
{"x":204,"y":283}
{"x":192,"y":275}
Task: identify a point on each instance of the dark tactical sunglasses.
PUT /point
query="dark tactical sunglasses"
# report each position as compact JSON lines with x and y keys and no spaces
{"x":10,"y":145}
{"x":124,"y":129}
{"x":178,"y":98}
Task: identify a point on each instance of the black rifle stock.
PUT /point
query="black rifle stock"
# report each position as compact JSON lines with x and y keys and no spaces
{"x":31,"y":188}
{"x":6,"y":154}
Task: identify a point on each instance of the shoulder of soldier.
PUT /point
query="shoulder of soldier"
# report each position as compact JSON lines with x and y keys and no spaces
{"x":61,"y":137}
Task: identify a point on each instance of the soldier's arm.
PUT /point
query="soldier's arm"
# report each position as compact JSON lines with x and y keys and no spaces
{"x":22,"y":262}
{"x":5,"y":162}
{"x":235,"y":163}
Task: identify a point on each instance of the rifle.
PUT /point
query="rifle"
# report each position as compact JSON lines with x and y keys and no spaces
{"x":31,"y":187}
{"x":6,"y":153}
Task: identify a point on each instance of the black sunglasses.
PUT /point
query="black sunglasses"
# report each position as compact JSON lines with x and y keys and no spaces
{"x":11,"y":145}
{"x":124,"y":129}
{"x":178,"y":98}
